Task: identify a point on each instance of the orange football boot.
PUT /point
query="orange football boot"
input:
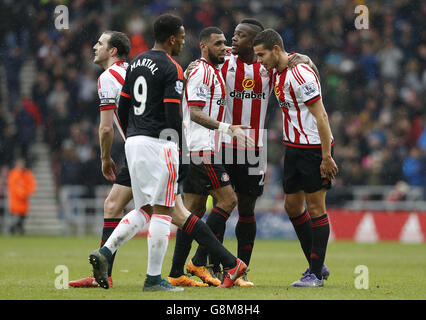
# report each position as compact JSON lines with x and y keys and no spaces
{"x":202,"y":273}
{"x":185,"y":281}
{"x":243,"y":282}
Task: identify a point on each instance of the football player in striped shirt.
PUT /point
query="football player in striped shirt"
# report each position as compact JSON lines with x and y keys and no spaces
{"x":249,"y":86}
{"x":110,"y":52}
{"x":308,"y":164}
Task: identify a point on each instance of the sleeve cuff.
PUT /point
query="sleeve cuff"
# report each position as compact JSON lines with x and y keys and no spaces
{"x":196,"y":103}
{"x":108,"y":107}
{"x":123,"y":94}
{"x":311,"y":101}
{"x":171,"y":101}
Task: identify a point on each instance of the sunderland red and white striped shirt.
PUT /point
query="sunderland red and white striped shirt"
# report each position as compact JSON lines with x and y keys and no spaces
{"x":248,"y":87}
{"x":296,"y":89}
{"x":205,"y":88}
{"x":110,"y":83}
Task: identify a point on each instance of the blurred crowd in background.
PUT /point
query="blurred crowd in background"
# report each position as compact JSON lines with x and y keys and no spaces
{"x":373,"y":81}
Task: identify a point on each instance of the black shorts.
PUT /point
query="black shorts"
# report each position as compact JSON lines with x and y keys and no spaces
{"x":205,"y":176}
{"x":123,"y":176}
{"x":183,"y":172}
{"x":248,"y":174}
{"x":302,"y":170}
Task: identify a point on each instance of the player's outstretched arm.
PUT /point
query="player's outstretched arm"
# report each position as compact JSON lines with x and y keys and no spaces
{"x":236,"y":131}
{"x":198,"y":116}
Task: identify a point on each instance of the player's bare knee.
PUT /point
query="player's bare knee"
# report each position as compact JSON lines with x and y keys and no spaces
{"x":200,"y":211}
{"x":179,"y":216}
{"x":293,"y":209}
{"x":112,"y":210}
{"x":148,"y":209}
{"x":315,"y":209}
{"x":245,"y":211}
{"x":233,"y":201}
{"x":228,"y":204}
{"x":197,"y":209}
{"x":246,"y":208}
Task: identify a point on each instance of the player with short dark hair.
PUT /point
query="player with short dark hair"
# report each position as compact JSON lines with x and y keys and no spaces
{"x":308,"y":164}
{"x":149,"y":108}
{"x":269,"y":39}
{"x":248,"y":89}
{"x":205,"y":35}
{"x":253,"y":22}
{"x":167,"y":25}
{"x":120,"y":41}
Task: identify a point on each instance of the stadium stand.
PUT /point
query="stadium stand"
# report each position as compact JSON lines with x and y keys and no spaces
{"x":373,"y":85}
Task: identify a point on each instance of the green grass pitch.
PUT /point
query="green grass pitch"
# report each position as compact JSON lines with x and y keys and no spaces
{"x":395,"y":271}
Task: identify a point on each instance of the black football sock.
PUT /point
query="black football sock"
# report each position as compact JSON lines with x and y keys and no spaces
{"x":303,"y":227}
{"x":198,"y":230}
{"x":320,"y":234}
{"x":245,"y":231}
{"x":109,"y":227}
{"x":181,"y":252}
{"x":217,"y":223}
{"x":214,"y":263}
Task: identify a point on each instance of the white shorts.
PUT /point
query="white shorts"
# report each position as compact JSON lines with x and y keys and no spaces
{"x":153,"y":167}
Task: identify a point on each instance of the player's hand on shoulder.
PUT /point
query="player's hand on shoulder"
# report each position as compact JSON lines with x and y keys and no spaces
{"x":108,"y":169}
{"x":297,"y":58}
{"x":190,"y":68}
{"x":241,"y":137}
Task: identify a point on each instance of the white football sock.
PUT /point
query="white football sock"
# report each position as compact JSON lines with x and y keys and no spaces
{"x":129,"y":225}
{"x":158,"y":241}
